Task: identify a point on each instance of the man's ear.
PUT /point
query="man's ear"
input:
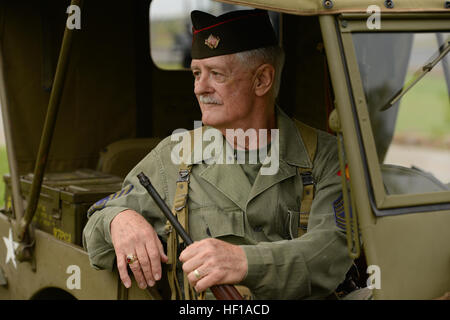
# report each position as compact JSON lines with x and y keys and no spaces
{"x":264,"y":79}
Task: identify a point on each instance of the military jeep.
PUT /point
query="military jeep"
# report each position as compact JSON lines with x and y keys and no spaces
{"x":88,"y":88}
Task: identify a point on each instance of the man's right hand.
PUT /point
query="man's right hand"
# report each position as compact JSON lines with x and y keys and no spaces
{"x":132,"y":234}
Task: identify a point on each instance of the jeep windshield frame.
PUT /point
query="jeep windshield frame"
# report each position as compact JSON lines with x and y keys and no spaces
{"x":347,"y":25}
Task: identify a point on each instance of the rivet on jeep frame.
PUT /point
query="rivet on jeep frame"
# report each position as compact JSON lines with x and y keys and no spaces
{"x":328,"y":4}
{"x":389,"y":4}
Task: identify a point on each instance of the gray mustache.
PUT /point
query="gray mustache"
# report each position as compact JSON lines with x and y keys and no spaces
{"x":209,"y":99}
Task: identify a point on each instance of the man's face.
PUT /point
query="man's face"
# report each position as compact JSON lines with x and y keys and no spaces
{"x":224,"y":90}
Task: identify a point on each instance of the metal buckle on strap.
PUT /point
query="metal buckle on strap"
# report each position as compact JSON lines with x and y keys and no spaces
{"x":183,"y":204}
{"x":183,"y":176}
{"x":307,"y":178}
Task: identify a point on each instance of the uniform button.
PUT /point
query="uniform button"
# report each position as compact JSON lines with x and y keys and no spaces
{"x":258,"y":229}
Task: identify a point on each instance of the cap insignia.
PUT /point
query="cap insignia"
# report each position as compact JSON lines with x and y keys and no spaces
{"x":212,"y":42}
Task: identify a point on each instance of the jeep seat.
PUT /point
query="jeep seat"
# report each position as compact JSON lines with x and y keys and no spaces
{"x":119,"y":157}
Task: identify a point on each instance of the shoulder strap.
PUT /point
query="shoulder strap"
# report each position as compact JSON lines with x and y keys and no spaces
{"x":180,"y":210}
{"x":309,"y":137}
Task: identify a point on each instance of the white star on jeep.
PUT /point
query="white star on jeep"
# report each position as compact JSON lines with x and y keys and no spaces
{"x":11,"y":246}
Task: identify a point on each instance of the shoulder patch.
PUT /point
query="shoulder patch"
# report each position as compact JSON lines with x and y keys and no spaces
{"x":100,"y":204}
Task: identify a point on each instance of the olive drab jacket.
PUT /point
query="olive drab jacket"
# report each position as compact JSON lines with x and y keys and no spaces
{"x":263,"y":218}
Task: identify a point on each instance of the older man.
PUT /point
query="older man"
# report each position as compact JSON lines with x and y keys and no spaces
{"x":246,"y":225}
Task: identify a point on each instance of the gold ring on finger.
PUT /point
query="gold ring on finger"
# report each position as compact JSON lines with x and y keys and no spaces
{"x":197,"y":274}
{"x":131,"y":258}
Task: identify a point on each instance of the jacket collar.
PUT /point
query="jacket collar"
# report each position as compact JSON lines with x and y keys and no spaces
{"x":231,"y":180}
{"x":292,"y":150}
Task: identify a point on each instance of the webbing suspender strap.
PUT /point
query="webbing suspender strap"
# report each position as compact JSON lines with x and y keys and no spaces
{"x":180,"y":210}
{"x":307,"y":199}
{"x":181,"y":197}
{"x":309,"y":137}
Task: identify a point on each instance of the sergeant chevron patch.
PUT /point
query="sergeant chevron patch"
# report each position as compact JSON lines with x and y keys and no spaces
{"x":100,"y":204}
{"x":339,"y":213}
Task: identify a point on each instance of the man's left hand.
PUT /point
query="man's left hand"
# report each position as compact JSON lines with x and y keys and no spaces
{"x":211,"y":262}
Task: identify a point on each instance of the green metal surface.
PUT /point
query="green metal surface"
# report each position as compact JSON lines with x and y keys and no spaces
{"x":49,"y":127}
{"x":382,"y":199}
{"x":53,"y":258}
{"x":399,"y":24}
{"x":320,"y":7}
{"x":409,"y":249}
{"x":351,"y":147}
{"x":11,"y":153}
{"x":64,"y":200}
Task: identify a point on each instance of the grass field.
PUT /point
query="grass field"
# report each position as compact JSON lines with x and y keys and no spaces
{"x":425,"y":109}
{"x":4,"y":168}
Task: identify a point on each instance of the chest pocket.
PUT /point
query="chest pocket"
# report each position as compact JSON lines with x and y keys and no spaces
{"x":207,"y":222}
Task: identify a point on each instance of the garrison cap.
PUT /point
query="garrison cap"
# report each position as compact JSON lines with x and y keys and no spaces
{"x":230,"y":32}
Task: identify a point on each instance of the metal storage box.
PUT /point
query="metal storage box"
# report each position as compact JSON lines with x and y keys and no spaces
{"x":64,"y":200}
